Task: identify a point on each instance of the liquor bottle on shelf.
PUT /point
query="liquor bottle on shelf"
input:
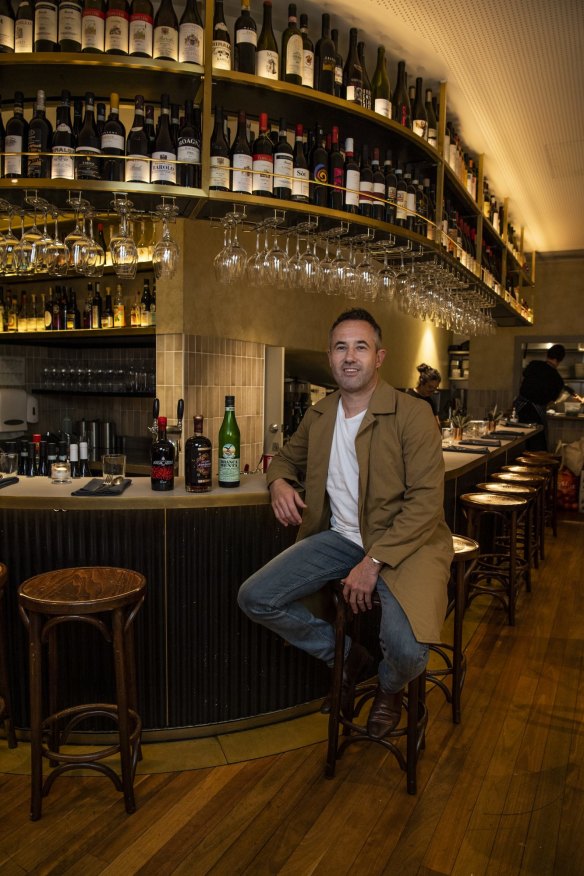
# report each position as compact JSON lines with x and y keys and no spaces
{"x":365,"y":183}
{"x":40,"y":135}
{"x":73,"y":319}
{"x":378,"y":202}
{"x":291,"y":59}
{"x":162,"y":460}
{"x":23,"y":27}
{"x":119,"y":308}
{"x":219,"y":168}
{"x":241,"y":158}
{"x":174,"y":123}
{"x":221,"y":42}
{"x":400,"y":100}
{"x":165,"y":42}
{"x":87,"y":161}
{"x":300,"y":172}
{"x":135,"y":311}
{"x":96,"y":308}
{"x":43,"y":462}
{"x":338,"y":64}
{"x":6,"y":27}
{"x":149,"y":127}
{"x":336,"y":172}
{"x":245,"y":38}
{"x":352,"y":178}
{"x":16,"y":140}
{"x":141,"y":29}
{"x":113,"y":143}
{"x":137,"y":166}
{"x":390,"y":189}
{"x":93,"y":26}
{"x":307,"y":54}
{"x":325,"y":56}
{"x":229,"y":447}
{"x":69,"y":29}
{"x":353,"y":74}
{"x":190,"y":35}
{"x":84,"y":470}
{"x":107,"y":316}
{"x":267,"y":50}
{"x":117,"y":26}
{"x":189,"y":147}
{"x":319,"y":163}
{"x":283,"y":164}
{"x":432,"y":121}
{"x":367,"y":100}
{"x":198,"y":460}
{"x":74,"y":459}
{"x":381,"y":92}
{"x":163,"y":170}
{"x":419,"y":114}
{"x":23,"y":457}
{"x":263,"y":160}
{"x":146,"y":306}
{"x":45,"y":26}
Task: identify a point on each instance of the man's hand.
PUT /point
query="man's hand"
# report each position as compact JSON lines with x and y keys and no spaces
{"x":360,"y":584}
{"x":286,"y":503}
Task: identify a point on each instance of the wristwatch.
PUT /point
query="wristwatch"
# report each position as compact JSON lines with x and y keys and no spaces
{"x":373,"y":560}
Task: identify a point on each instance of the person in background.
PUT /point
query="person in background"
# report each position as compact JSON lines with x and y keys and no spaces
{"x":428,"y":383}
{"x":372,"y":515}
{"x":540,"y":387}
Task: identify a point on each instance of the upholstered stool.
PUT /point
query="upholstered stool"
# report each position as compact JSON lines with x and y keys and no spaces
{"x":553,"y":463}
{"x":496,"y":573}
{"x":538,"y":483}
{"x":530,"y":531}
{"x":107,"y":599}
{"x":414,"y":703}
{"x":5,"y":699}
{"x":465,"y":550}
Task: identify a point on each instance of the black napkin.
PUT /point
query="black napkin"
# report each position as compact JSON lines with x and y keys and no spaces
{"x":5,"y":482}
{"x":96,"y":487}
{"x":504,"y":433}
{"x":483,"y":442}
{"x":457,"y":448}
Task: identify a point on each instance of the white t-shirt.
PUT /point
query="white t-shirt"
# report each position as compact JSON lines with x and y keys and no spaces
{"x":342,"y":483}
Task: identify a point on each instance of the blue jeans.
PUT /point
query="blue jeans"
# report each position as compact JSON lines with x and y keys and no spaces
{"x":272,"y":598}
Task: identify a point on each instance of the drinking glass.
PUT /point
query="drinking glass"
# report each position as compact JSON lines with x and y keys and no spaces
{"x":94,"y":254}
{"x":256,"y":272}
{"x":122,"y":246}
{"x":276,"y":263}
{"x":26,"y":251}
{"x":309,"y":267}
{"x":326,"y":271}
{"x":367,"y":278}
{"x":56,"y":253}
{"x":166,"y":253}
{"x":339,"y":267}
{"x":386,"y":280}
{"x":76,"y":241}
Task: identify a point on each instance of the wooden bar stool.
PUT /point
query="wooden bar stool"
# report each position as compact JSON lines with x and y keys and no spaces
{"x":553,"y":463}
{"x":5,"y":699}
{"x":530,"y":543}
{"x":538,"y":482}
{"x":107,"y":599}
{"x":414,"y":702}
{"x":496,"y":573}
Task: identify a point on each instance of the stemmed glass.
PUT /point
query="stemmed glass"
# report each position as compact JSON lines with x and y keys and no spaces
{"x":276,"y":263}
{"x":122,"y":246}
{"x":386,"y":279}
{"x":255,"y":263}
{"x":56,"y":253}
{"x":77,"y":239}
{"x":294,"y":267}
{"x":367,"y":277}
{"x":166,"y":253}
{"x":94,"y":254}
{"x":339,"y":267}
{"x":231,"y":262}
{"x":309,"y":267}
{"x":326,"y":271}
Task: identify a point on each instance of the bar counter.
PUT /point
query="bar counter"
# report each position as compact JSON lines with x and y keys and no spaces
{"x":202,"y":666}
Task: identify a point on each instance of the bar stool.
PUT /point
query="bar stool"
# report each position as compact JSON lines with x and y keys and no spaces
{"x":539,"y":483}
{"x":107,"y":599}
{"x":504,"y":568}
{"x":530,"y":531}
{"x":5,"y":699}
{"x":414,"y":702}
{"x":547,"y":460}
{"x":465,"y":550}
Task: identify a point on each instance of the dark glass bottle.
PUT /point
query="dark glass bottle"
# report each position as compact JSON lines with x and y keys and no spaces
{"x":163,"y":170}
{"x":174,"y":122}
{"x":291,"y":58}
{"x":390,"y":189}
{"x":267,"y":50}
{"x":16,"y":140}
{"x":367,"y":102}
{"x":44,"y":470}
{"x":74,"y":459}
{"x":419,"y":114}
{"x":107,"y":316}
{"x":84,"y":470}
{"x":141,"y":29}
{"x":410,"y":199}
{"x":300,"y":172}
{"x":190,"y":35}
{"x":352,"y":178}
{"x":336,"y":172}
{"x":113,"y":143}
{"x":325,"y":59}
{"x":23,"y":457}
{"x":45,"y":26}
{"x":353,"y":74}
{"x":73,"y":315}
{"x":93,"y":26}
{"x":307,"y":54}
{"x":149,"y":127}
{"x":338,"y":64}
{"x":221,"y":42}
{"x":189,"y":147}
{"x":40,"y":135}
{"x":96,"y":308}
{"x":117,"y":26}
{"x":263,"y":160}
{"x":198,"y":460}
{"x":400,"y":101}
{"x":381,"y":93}
{"x":219,"y":170}
{"x":365,"y":183}
{"x":229,"y":447}
{"x":165,"y":44}
{"x":162,"y":460}
{"x":241,"y":158}
{"x":87,"y":161}
{"x":283,"y":164}
{"x":99,"y":119}
{"x":69,"y":31}
{"x":78,"y":117}
{"x":23,"y":27}
{"x":319,"y":163}
{"x":245,"y":39}
{"x":137,"y":164}
{"x":432,"y":121}
{"x":63,"y":144}
{"x":33,"y":459}
{"x":378,"y":201}
{"x":6,"y":27}
{"x":401,"y":190}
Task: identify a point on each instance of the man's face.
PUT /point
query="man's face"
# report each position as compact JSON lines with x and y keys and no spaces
{"x":353,"y":356}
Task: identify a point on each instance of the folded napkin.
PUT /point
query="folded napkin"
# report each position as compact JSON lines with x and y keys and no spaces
{"x":458,"y":448}
{"x":6,"y":482}
{"x":96,"y":487}
{"x":504,"y":433}
{"x":483,"y":442}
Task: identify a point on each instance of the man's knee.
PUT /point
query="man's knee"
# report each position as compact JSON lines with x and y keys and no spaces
{"x":247,"y":598}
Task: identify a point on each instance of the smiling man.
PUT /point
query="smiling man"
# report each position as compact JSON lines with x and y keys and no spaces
{"x":372,"y":516}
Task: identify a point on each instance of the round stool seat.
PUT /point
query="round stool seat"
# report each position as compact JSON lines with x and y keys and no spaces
{"x":513,"y":477}
{"x":493,"y":502}
{"x":509,"y":489}
{"x":81,"y":590}
{"x":464,"y":548}
{"x":527,"y":469}
{"x":544,"y":461}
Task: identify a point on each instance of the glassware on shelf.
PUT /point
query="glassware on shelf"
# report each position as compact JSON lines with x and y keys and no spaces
{"x":56,"y":253}
{"x":123,"y":249}
{"x":166,"y":253}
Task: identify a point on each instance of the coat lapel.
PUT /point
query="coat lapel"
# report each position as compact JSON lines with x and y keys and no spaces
{"x":383,"y":402}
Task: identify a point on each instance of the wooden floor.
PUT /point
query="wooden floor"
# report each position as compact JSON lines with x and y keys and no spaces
{"x":503,"y":793}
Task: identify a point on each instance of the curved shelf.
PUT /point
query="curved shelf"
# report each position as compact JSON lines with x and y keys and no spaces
{"x":459,"y":190}
{"x":127,"y":337}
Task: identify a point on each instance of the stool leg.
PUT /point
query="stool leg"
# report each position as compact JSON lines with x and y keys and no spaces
{"x":333,"y":725}
{"x":131,"y":676}
{"x":4,"y":680}
{"x":36,"y":758}
{"x":54,"y":733}
{"x":122,"y":704}
{"x":457,"y":653}
{"x":512,"y":568}
{"x":555,"y":502}
{"x":527,"y":547}
{"x":412,"y":733}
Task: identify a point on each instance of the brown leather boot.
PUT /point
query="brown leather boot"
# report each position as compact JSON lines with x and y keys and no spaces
{"x":357,"y":661}
{"x":385,"y":713}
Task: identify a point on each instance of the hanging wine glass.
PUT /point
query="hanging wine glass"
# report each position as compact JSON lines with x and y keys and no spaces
{"x":338,"y":272}
{"x":294,"y":267}
{"x":256,"y":272}
{"x":123,"y":248}
{"x":77,"y":236}
{"x":56,"y":253}
{"x":166,"y":254}
{"x":309,"y":269}
{"x":386,"y":279}
{"x":94,"y":254}
{"x":276,"y":263}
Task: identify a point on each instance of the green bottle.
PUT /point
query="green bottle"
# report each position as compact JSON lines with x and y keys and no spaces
{"x":228,"y":451}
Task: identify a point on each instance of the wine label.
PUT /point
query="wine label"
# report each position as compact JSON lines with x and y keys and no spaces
{"x":163,"y":167}
{"x":113,"y":141}
{"x":383,"y":107}
{"x":137,"y":169}
{"x":401,"y":199}
{"x":23,"y":30}
{"x":117,"y":26}
{"x":189,"y":153}
{"x":69,"y":22}
{"x":308,"y":68}
{"x":87,"y":165}
{"x":7,"y":31}
{"x":219,"y":172}
{"x":12,"y":163}
{"x":165,"y":43}
{"x":229,"y":465}
{"x":337,"y":177}
{"x":419,"y":127}
{"x":283,"y":170}
{"x":63,"y":163}
{"x":391,"y":193}
{"x":301,"y":183}
{"x":245,"y":35}
{"x":379,"y":189}
{"x":45,"y":21}
{"x":140,"y":35}
{"x":242,"y":173}
{"x":365,"y":189}
{"x":355,"y":94}
{"x":221,"y":54}
{"x":294,"y":55}
{"x":433,"y":137}
{"x":352,"y":185}
{"x":263,"y":166}
{"x":267,"y":64}
{"x":92,"y":30}
{"x":190,"y":43}
{"x":338,"y":75}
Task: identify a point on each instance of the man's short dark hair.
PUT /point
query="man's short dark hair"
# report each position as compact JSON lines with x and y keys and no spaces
{"x":556,"y":352}
{"x":361,"y":315}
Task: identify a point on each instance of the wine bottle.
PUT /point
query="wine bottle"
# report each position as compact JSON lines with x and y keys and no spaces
{"x":190,"y":35}
{"x":432,"y":121}
{"x":366,"y":81}
{"x":307,"y":54}
{"x":198,"y":460}
{"x":263,"y":161}
{"x":113,"y":143}
{"x":69,"y":29}
{"x":419,"y":114}
{"x":352,"y":178}
{"x":381,"y":93}
{"x":245,"y":39}
{"x":219,"y":170}
{"x":117,"y":26}
{"x":319,"y":162}
{"x":141,"y":29}
{"x":401,"y":214}
{"x":137,"y":166}
{"x":146,"y":306}
{"x":149,"y":127}
{"x":353,"y":74}
{"x":165,"y":45}
{"x":338,"y":63}
{"x":365,"y":183}
{"x":119,"y":308}
{"x":325,"y":59}
{"x":229,"y":447}
{"x":40,"y":135}
{"x":283,"y":164}
{"x":336,"y":172}
{"x":84,"y":470}
{"x":45,"y":26}
{"x":378,"y":201}
{"x":16,"y":140}
{"x":174,"y":122}
{"x":221,"y":43}
{"x":400,"y":100}
{"x":291,"y":60}
{"x":163,"y":170}
{"x":96,"y":308}
{"x":162,"y":460}
{"x":300,"y":172}
{"x":63,"y":143}
{"x":6,"y":26}
{"x":241,"y":158}
{"x":189,"y":147}
{"x":410,"y":199}
{"x":93,"y":26}
{"x":390,"y":189}
{"x":87,"y":163}
{"x":267,"y":51}
{"x":421,"y":217}
{"x":78,"y":117}
{"x":23,"y":27}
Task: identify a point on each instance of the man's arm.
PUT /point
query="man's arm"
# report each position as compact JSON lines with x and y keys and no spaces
{"x":285,"y":471}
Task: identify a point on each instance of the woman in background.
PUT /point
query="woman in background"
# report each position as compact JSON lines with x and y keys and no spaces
{"x":428,"y":383}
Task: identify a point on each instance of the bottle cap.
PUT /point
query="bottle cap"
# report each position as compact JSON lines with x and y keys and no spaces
{"x":229,"y":400}
{"x":162,"y":421}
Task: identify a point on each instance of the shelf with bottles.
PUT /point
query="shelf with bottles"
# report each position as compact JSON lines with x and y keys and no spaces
{"x":84,"y":338}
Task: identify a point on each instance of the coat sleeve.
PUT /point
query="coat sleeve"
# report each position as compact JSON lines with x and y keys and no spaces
{"x":290,"y":461}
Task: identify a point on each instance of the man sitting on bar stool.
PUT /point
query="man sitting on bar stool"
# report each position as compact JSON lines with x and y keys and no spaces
{"x":372,"y":517}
